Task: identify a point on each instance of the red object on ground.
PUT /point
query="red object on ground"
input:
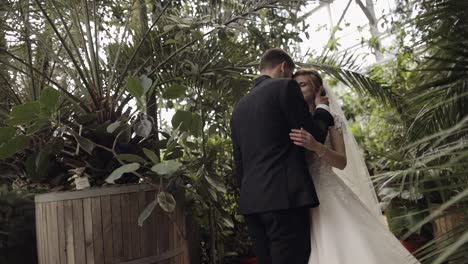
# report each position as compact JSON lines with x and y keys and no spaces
{"x":248,"y":260}
{"x":414,"y":244}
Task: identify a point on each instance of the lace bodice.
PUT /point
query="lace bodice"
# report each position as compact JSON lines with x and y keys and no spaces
{"x":313,"y":160}
{"x":324,"y":178}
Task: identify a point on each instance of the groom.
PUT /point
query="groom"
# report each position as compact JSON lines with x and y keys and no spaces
{"x":276,"y":190}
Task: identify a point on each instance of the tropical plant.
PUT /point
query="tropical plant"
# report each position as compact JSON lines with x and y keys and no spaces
{"x":425,"y":87}
{"x":88,"y":82}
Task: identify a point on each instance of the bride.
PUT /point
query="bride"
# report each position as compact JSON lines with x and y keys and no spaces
{"x":347,"y":227}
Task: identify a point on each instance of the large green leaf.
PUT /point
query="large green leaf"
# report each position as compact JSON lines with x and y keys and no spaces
{"x":86,"y":144}
{"x":183,"y":119}
{"x":166,"y":201}
{"x":38,"y":124}
{"x":49,"y":100}
{"x":188,"y":121}
{"x":147,"y":212}
{"x":9,"y":148}
{"x":24,"y":113}
{"x":146,"y":82}
{"x":117,"y":173}
{"x":196,"y":125}
{"x":6,"y":133}
{"x":41,"y":162}
{"x":166,"y":167}
{"x":212,"y":130}
{"x":151,"y":155}
{"x":143,"y":128}
{"x":172,"y":141}
{"x":216,"y":183}
{"x":131,"y":158}
{"x":134,"y":87}
{"x":175,"y":91}
{"x":169,"y":27}
{"x":113,"y":126}
{"x":30,"y":166}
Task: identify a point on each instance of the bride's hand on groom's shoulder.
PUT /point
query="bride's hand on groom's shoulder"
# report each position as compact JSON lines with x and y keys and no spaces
{"x":301,"y":137}
{"x":321,"y":98}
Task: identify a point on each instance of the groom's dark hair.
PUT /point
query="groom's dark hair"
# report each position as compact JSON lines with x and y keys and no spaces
{"x":273,"y":57}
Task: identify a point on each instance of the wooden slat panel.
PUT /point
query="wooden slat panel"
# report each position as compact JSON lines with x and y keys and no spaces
{"x":40,"y":225}
{"x":179,"y":237}
{"x":61,"y":233}
{"x":48,"y":236}
{"x":156,"y":228}
{"x":107,"y":229}
{"x":134,"y":229}
{"x":194,"y":238}
{"x":173,"y":233}
{"x":187,"y":239}
{"x":38,"y":228}
{"x":164,"y":233}
{"x":97,"y":230}
{"x":175,"y":238}
{"x":90,"y":193}
{"x":88,"y":230}
{"x":127,"y":247}
{"x":78,"y":228}
{"x":142,"y":203}
{"x":185,"y":256}
{"x":151,"y":239}
{"x":70,"y":245}
{"x":117,"y":228}
{"x":52,"y":233}
{"x":45,"y":233}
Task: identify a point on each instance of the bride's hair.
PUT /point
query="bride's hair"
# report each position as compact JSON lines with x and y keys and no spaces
{"x":313,"y":75}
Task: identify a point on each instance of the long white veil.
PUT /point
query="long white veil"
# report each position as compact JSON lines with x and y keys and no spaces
{"x":355,"y":175}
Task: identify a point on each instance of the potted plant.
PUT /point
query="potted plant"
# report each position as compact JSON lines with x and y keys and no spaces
{"x":403,"y":213}
{"x":239,"y":244}
{"x":401,"y":219}
{"x":100,"y":132}
{"x":91,"y":120}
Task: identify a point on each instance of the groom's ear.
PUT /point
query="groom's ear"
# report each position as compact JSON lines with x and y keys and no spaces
{"x":283,"y":67}
{"x":286,"y":70}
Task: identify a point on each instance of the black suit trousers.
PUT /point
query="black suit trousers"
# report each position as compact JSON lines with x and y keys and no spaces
{"x":281,"y":237}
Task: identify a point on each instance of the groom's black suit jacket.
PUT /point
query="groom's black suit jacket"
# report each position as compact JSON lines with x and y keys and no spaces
{"x":271,"y":171}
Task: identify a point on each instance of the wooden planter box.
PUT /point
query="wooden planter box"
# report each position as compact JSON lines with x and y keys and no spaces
{"x":443,"y":225}
{"x":100,"y":226}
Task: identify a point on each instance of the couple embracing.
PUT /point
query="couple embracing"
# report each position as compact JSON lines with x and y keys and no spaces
{"x":305,"y":191}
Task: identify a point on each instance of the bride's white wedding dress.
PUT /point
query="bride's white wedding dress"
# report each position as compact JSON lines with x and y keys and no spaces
{"x":344,"y":230}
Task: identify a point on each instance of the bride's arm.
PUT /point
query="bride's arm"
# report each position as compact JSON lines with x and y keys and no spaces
{"x":336,"y":156}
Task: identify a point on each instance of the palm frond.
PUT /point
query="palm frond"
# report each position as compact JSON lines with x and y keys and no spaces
{"x":352,"y":78}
